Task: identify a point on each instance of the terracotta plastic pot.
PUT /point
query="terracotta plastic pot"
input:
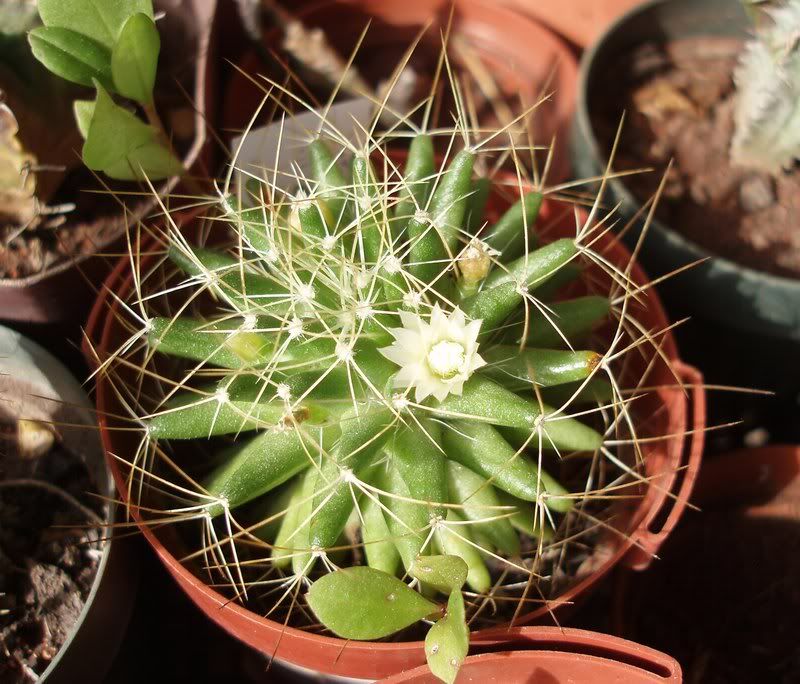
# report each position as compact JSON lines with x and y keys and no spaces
{"x":34,"y":385}
{"x":763,"y":306}
{"x":670,"y":463}
{"x":582,"y":21}
{"x":65,"y":291}
{"x":764,"y":479}
{"x":524,"y":59}
{"x":722,"y":599}
{"x":553,"y":655}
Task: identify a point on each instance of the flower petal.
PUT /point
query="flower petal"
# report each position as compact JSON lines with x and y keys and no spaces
{"x":396,"y":354}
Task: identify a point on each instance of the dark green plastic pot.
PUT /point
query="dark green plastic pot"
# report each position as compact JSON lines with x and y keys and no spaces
{"x":35,"y":385}
{"x":757,"y":305}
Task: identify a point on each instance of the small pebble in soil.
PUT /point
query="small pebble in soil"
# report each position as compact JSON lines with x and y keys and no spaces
{"x":756,"y":193}
{"x":680,"y":100}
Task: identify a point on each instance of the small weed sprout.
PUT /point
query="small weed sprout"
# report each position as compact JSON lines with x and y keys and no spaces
{"x":112,"y":47}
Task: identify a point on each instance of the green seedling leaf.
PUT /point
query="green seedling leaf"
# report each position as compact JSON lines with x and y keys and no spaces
{"x":113,"y":133}
{"x":124,"y":147}
{"x":101,"y":20}
{"x":365,"y":604}
{"x":71,"y":55}
{"x":445,"y":573}
{"x":152,"y":161}
{"x":134,"y":58}
{"x":84,"y":111}
{"x":447,"y":642}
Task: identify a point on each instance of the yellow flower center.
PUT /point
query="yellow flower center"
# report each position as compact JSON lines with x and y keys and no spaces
{"x":446,"y":359}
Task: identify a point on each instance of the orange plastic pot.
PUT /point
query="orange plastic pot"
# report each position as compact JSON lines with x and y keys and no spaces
{"x":765,"y":479}
{"x":641,"y":523}
{"x":582,"y":21}
{"x":525,"y":60}
{"x":721,"y":600}
{"x":553,"y":655}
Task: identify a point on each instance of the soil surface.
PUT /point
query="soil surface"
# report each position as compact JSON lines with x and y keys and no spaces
{"x":48,"y":561}
{"x":53,"y":238}
{"x":679,"y":99}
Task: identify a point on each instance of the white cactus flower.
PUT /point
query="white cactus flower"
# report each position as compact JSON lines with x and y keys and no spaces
{"x":436,"y":357}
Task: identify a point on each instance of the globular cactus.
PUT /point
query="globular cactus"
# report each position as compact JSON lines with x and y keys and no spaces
{"x":767,"y":114}
{"x":388,"y":380}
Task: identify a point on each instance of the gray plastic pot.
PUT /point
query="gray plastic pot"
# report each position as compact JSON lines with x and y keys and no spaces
{"x":34,"y":385}
{"x":740,"y":298}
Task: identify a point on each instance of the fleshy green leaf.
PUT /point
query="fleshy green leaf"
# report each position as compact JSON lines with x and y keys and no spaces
{"x":84,"y":110}
{"x":365,"y":604}
{"x":101,"y":20}
{"x":71,"y":55}
{"x":153,"y":161}
{"x":447,"y":642}
{"x":445,"y":573}
{"x":124,"y":147}
{"x":134,"y":58}
{"x":113,"y":133}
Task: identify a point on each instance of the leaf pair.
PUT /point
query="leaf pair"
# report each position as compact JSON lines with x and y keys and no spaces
{"x":119,"y":144}
{"x":365,"y":604}
{"x":115,"y":43}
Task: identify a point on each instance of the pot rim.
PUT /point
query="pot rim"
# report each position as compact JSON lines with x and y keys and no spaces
{"x":567,"y":645}
{"x":584,"y":123}
{"x":728,"y":482}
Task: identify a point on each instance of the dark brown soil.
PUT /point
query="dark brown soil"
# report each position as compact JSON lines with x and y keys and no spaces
{"x":48,"y":561}
{"x":679,"y":101}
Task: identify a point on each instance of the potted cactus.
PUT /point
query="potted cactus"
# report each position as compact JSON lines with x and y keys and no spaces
{"x":401,"y":402}
{"x":84,"y":122}
{"x":713,"y":86}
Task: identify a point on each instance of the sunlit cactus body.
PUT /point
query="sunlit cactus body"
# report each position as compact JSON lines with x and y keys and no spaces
{"x":356,"y":343}
{"x":767,"y":114}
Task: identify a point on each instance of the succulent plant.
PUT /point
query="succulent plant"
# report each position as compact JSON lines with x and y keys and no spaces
{"x":767,"y":113}
{"x":373,"y":378}
{"x":112,"y":47}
